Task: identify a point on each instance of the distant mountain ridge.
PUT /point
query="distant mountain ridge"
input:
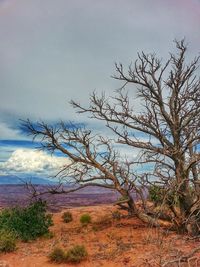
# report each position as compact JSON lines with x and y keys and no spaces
{"x":15,"y":180}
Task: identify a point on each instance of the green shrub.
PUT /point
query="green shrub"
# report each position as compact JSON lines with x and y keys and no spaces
{"x":159,"y":195}
{"x":28,"y":223}
{"x":67,"y":217}
{"x":85,"y":219}
{"x":156,"y":194}
{"x":7,"y":241}
{"x":57,"y":255}
{"x":76,"y":254}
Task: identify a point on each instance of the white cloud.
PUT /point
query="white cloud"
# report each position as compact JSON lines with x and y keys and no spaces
{"x":33,"y":162}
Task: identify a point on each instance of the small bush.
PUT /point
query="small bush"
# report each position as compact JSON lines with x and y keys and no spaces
{"x":28,"y":223}
{"x":156,"y":194}
{"x":67,"y":217}
{"x":7,"y":241}
{"x":85,"y":219}
{"x":102,"y":223}
{"x":76,"y":254}
{"x":116,"y":215}
{"x":57,"y":255}
{"x":159,"y":195}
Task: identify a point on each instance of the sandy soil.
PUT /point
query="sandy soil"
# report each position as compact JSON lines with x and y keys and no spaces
{"x":110,"y":242}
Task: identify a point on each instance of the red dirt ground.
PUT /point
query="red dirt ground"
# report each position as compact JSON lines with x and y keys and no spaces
{"x":110,"y":243}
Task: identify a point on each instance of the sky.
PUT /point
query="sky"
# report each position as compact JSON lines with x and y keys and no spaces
{"x":54,"y":51}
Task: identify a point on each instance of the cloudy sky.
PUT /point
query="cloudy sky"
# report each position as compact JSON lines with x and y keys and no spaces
{"x":54,"y":51}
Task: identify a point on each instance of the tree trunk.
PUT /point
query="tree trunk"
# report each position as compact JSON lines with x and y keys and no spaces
{"x":188,"y":221}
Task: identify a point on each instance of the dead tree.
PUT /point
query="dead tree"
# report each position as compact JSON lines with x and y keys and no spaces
{"x":93,"y":162}
{"x":169,"y":120}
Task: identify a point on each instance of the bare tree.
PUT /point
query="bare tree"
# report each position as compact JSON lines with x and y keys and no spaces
{"x":169,"y":120}
{"x":93,"y":160}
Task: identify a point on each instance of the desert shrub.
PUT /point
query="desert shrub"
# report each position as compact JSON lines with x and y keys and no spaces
{"x":116,"y":215}
{"x":67,"y":217}
{"x":57,"y":255}
{"x":7,"y":241}
{"x":85,"y":219}
{"x":76,"y":254}
{"x":156,"y":194}
{"x":102,"y":223}
{"x":28,"y":223}
{"x":159,"y":195}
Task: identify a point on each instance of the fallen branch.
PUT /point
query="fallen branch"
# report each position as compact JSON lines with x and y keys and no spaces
{"x":184,"y":258}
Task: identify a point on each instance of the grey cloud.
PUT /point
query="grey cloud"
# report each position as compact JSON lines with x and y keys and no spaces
{"x":52,"y":51}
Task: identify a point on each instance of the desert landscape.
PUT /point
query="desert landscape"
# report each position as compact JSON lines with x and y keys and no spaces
{"x":99,"y":133}
{"x":112,"y":238}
